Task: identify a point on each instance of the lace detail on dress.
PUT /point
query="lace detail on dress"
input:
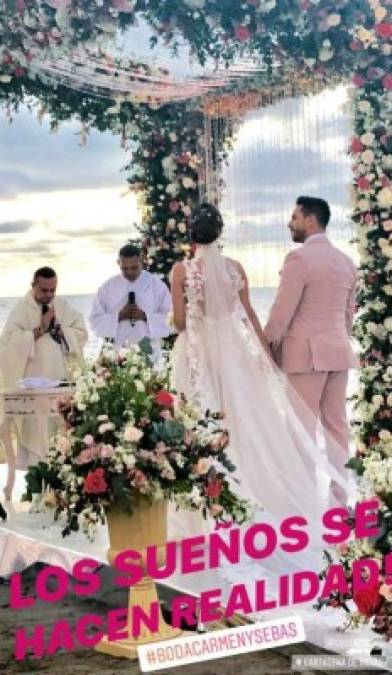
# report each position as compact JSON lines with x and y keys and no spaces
{"x":194,"y":294}
{"x":235,"y":275}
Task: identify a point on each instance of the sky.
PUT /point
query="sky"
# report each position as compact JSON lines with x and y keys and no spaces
{"x":68,"y":206}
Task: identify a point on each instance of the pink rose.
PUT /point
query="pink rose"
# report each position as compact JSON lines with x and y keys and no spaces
{"x":213,"y":488}
{"x":138,"y":478}
{"x":356,"y":145}
{"x":124,"y":5}
{"x":164,"y":398}
{"x":88,"y":439}
{"x":216,"y":510}
{"x":174,"y":205}
{"x":106,"y":426}
{"x":84,"y":457}
{"x":107,"y":451}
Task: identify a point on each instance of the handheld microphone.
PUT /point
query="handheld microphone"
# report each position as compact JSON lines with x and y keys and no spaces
{"x":45,"y":309}
{"x":131,"y":300}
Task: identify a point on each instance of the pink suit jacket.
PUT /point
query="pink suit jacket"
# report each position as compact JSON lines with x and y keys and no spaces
{"x":311,"y":319}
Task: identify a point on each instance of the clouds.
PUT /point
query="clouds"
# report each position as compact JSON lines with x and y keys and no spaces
{"x":15,"y":226}
{"x":34,"y":160}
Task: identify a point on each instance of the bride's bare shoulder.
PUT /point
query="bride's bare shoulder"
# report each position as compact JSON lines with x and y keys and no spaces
{"x":177,"y":272}
{"x":236,"y":265}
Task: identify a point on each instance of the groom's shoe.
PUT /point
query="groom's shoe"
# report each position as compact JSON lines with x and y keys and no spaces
{"x":337,"y":496}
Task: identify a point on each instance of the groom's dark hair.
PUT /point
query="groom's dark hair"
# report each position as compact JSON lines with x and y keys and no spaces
{"x":314,"y":206}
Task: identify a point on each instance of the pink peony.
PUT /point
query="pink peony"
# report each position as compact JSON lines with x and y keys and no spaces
{"x":95,"y":483}
{"x":357,"y":145}
{"x":358,"y":80}
{"x":363,"y":183}
{"x":384,"y":30}
{"x":387,"y":81}
{"x":242,"y":33}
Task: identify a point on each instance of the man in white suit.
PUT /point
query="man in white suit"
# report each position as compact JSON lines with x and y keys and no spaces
{"x":310,"y":324}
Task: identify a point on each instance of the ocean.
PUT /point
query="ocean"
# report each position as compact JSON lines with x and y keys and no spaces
{"x":262,"y":299}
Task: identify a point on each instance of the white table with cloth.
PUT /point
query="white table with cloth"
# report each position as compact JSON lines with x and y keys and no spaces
{"x":38,"y":404}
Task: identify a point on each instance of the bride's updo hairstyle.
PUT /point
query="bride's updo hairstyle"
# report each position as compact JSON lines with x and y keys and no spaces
{"x":205,"y":224}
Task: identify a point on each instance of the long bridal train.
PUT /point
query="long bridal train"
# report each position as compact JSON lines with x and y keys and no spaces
{"x":219,"y":363}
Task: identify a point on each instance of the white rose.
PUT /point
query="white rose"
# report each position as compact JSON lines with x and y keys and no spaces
{"x":387,"y":289}
{"x":182,"y":227}
{"x":367,"y":156}
{"x":202,"y":466}
{"x":173,"y":136}
{"x":364,"y":106}
{"x":380,"y":13}
{"x":132,"y":434}
{"x":377,"y":400}
{"x":384,"y":198}
{"x":195,"y":4}
{"x":363,"y":205}
{"x":387,"y":225}
{"x":325,"y":54}
{"x":186,"y":210}
{"x":188,"y":183}
{"x":368,"y":138}
{"x":172,"y":189}
{"x":5,"y":78}
{"x":139,"y":385}
{"x":63,"y":444}
{"x":389,"y":400}
{"x":334,"y":20}
{"x":388,"y":323}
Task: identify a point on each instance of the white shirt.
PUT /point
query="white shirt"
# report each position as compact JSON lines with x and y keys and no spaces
{"x":151,"y":295}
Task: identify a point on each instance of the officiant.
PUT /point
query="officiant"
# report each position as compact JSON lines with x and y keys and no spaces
{"x":43,"y":338}
{"x":132,"y":305}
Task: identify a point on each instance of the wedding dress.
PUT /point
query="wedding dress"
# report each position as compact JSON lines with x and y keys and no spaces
{"x":220,"y":365}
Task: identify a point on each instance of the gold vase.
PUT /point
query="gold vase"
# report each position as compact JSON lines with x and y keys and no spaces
{"x":146,"y":526}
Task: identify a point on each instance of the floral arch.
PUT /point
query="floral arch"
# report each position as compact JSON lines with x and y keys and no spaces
{"x":296,"y":46}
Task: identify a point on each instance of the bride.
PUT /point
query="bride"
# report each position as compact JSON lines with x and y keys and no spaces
{"x":222,"y":362}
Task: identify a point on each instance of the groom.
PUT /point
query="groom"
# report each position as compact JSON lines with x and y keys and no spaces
{"x":310,"y":323}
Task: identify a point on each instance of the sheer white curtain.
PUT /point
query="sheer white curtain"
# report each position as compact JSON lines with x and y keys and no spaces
{"x":295,"y":146}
